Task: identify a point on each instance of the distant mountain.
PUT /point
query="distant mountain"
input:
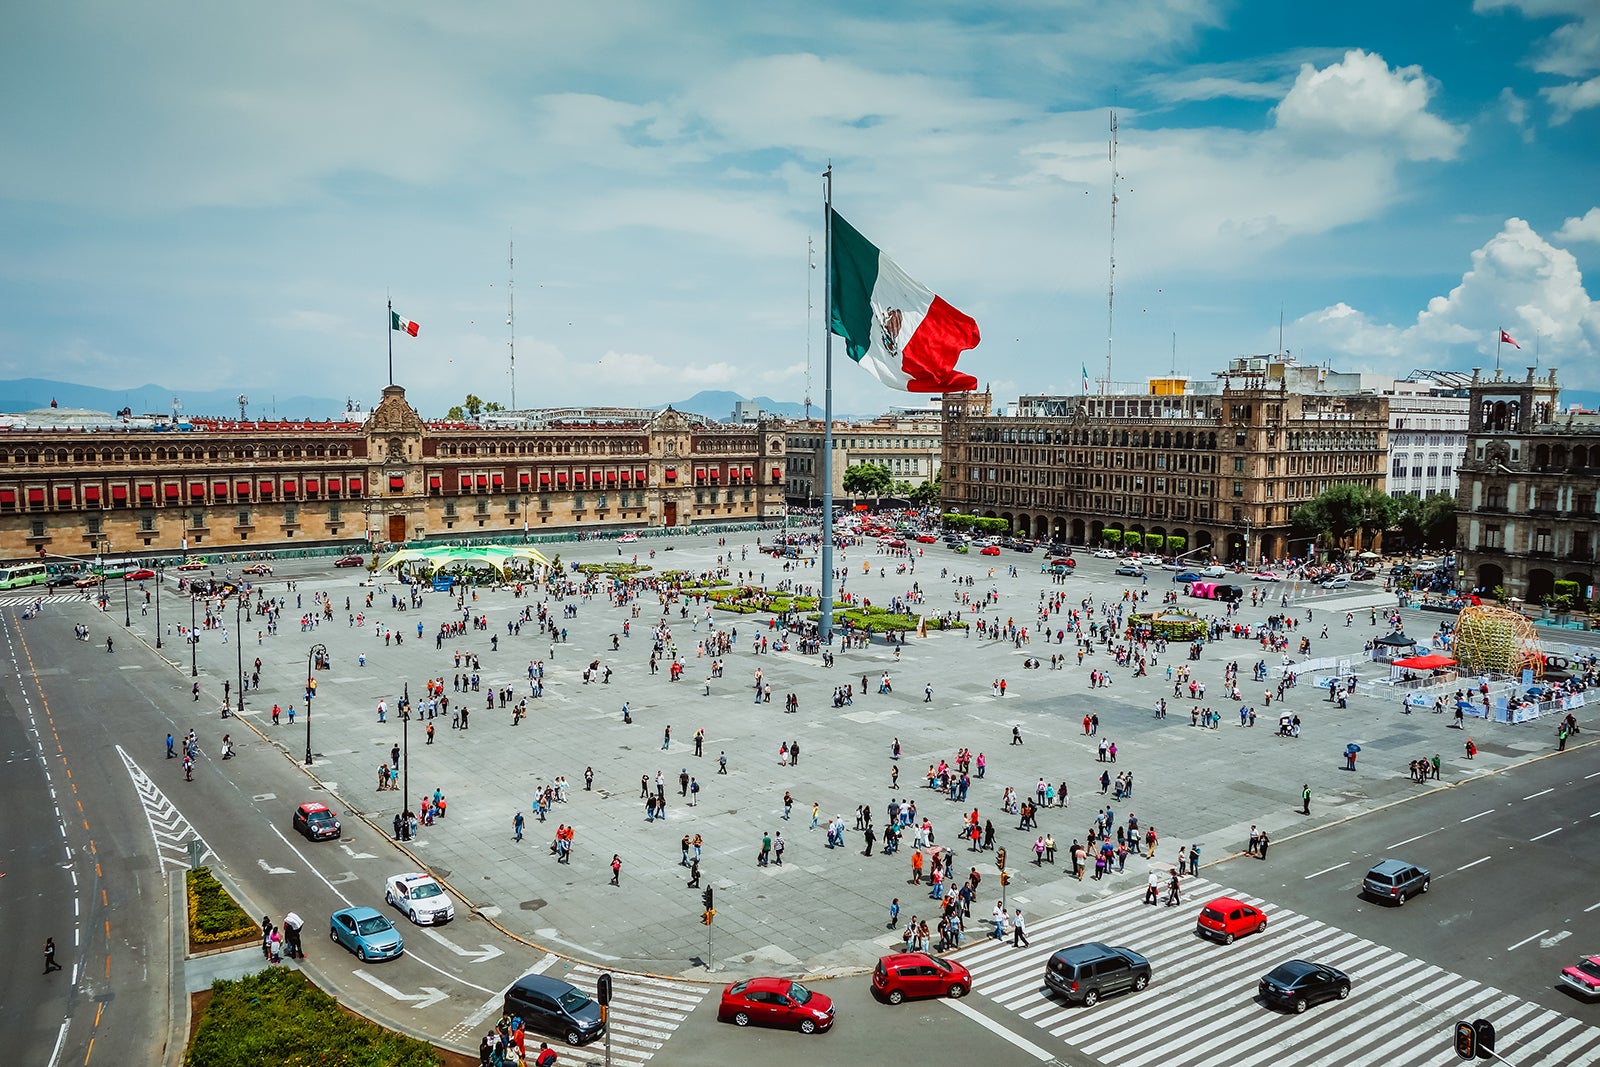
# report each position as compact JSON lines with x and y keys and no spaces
{"x":718,"y":403}
{"x":24,"y":394}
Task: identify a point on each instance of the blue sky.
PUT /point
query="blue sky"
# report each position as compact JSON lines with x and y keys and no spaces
{"x":221,"y":196}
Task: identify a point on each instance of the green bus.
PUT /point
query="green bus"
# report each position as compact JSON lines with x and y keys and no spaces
{"x":22,"y":575}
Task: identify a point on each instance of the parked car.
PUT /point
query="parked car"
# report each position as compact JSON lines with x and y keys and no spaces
{"x":1130,"y":570}
{"x":917,"y":974}
{"x":1266,"y":576}
{"x":1361,"y":574}
{"x":348,"y":561}
{"x":552,"y":1006}
{"x":1186,"y":576}
{"x":1338,"y":581}
{"x":366,"y":932}
{"x":775,"y":1002}
{"x":56,"y":581}
{"x":1227,"y":918}
{"x":1583,"y":977}
{"x":1298,"y":984}
{"x":1084,"y":973}
{"x":1394,"y":880}
{"x":422,"y":899}
{"x":317,"y":821}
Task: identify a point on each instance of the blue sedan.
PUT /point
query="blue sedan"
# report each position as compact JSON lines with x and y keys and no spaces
{"x":1186,"y":577}
{"x":367,"y":932}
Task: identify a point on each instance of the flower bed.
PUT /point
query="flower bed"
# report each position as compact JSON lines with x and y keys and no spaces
{"x":1172,"y":624}
{"x":213,"y":915}
{"x":616,"y":570}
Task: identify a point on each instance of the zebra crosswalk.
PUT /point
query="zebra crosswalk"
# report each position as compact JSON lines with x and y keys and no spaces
{"x":15,"y":601}
{"x":644,"y":1012}
{"x":1201,"y":1008}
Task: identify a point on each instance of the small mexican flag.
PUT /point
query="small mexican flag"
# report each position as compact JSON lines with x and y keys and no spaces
{"x":894,"y":326}
{"x":402,"y":324}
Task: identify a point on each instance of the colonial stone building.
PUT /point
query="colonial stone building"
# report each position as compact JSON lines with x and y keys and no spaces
{"x":1526,"y":513}
{"x":908,"y":445}
{"x":1220,"y":469}
{"x":226,"y":486}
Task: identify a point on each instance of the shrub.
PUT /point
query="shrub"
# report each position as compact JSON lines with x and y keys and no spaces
{"x":276,"y":1016}
{"x":620,"y":570}
{"x":213,"y":915}
{"x":1154,"y":541}
{"x":1111,"y":537}
{"x":1176,"y":544}
{"x":1132,"y":539}
{"x":1171,"y":624}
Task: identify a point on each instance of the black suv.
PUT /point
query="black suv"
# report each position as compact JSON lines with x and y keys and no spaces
{"x":1394,"y":880}
{"x":1084,"y":973}
{"x":552,"y":1006}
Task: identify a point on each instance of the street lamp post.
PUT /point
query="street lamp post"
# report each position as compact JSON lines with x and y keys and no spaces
{"x":194,"y":666}
{"x":238,"y":645}
{"x":161,"y":572}
{"x":405,"y":745}
{"x":127,"y":615}
{"x":312,"y":657}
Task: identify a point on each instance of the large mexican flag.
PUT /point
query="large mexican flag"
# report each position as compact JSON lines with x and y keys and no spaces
{"x":894,"y":326}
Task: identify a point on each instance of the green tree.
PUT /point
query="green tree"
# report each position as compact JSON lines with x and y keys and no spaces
{"x":868,"y":479}
{"x":493,"y":405}
{"x":1341,"y":511}
{"x":473,"y":405}
{"x":455,"y":414}
{"x":927,"y":494}
{"x":1439,"y":520}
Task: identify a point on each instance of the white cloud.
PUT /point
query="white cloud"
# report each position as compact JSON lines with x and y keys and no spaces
{"x":1360,"y":101}
{"x":1568,"y":100}
{"x":1572,"y":50}
{"x":1585,"y":228}
{"x":1518,"y":282}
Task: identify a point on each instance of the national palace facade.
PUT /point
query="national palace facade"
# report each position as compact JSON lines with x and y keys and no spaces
{"x":229,"y":486}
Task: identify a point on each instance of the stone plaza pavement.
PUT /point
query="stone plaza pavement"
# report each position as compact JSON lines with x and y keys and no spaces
{"x":823,"y":911}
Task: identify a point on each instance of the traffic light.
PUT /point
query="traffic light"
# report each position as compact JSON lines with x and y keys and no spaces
{"x":707,"y":915}
{"x":1466,"y":1040}
{"x":1485,"y":1031}
{"x":602,"y":988}
{"x":705,"y":899}
{"x":1005,"y":877}
{"x":1000,"y":860}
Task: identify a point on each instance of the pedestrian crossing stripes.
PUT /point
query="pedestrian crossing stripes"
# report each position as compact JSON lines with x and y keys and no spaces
{"x":168,"y":827}
{"x":1201,"y":1008}
{"x":53,"y":598}
{"x":644,"y":1012}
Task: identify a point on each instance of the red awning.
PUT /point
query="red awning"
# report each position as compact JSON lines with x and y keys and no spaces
{"x":397,"y":481}
{"x":699,"y":474}
{"x":290,"y":487}
{"x":8,"y":497}
{"x":36,"y":496}
{"x":242,"y":488}
{"x":91,"y":493}
{"x":483,"y":481}
{"x":627,"y":476}
{"x":638,"y":476}
{"x":435,"y":482}
{"x":1424,"y":663}
{"x":170,"y":491}
{"x":561,"y":477}
{"x":197,"y":490}
{"x":594,"y":477}
{"x":146,"y":492}
{"x":63,"y":494}
{"x":219,"y":488}
{"x":672,"y":475}
{"x":749,"y":472}
{"x":497,"y":480}
{"x":466,"y":481}
{"x":313,"y":485}
{"x":524,"y":477}
{"x":544,"y":478}
{"x":354,"y":487}
{"x":119,"y":492}
{"x":334,"y":485}
{"x":611,"y":477}
{"x":265,"y":487}
{"x":716,"y":476}
{"x":577,"y":476}
{"x":777,"y":474}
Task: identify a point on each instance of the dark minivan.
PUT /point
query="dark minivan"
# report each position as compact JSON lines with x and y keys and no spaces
{"x":552,"y":1006}
{"x":1084,"y":973}
{"x":1394,"y":880}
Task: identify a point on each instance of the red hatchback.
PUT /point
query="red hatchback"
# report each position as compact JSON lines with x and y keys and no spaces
{"x":1226,"y":918}
{"x":775,"y":1002}
{"x":917,"y":974}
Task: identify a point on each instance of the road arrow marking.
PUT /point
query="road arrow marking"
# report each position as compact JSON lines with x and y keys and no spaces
{"x":265,"y":866}
{"x":426,"y":999}
{"x":1555,"y":939}
{"x":353,"y":854}
{"x":488,"y":952}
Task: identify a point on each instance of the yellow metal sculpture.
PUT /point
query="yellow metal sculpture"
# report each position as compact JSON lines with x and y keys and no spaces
{"x":1490,"y":638}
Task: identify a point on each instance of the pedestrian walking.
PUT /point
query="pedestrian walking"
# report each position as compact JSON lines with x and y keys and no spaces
{"x":1305,"y":799}
{"x":1019,"y":936}
{"x":1016,"y":739}
{"x":50,"y":963}
{"x":616,"y":869}
{"x":516,"y":825}
{"x":666,"y":739}
{"x":1261,"y":848}
{"x":894,"y":913}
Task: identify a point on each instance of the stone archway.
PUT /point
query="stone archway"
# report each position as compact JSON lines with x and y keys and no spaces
{"x":1541,"y":584}
{"x":1078,"y":531}
{"x":1490,"y":575}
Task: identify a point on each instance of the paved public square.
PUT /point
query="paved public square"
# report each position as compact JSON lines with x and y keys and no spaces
{"x":824,"y":910}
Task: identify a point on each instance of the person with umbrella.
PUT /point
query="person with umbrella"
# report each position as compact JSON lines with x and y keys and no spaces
{"x":1350,"y":751}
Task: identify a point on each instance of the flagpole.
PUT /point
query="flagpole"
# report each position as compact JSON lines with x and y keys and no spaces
{"x":1499,"y":339}
{"x":827,"y":408}
{"x":391,"y":342}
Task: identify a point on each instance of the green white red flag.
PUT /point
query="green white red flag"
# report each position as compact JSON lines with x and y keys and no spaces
{"x":403,"y":325}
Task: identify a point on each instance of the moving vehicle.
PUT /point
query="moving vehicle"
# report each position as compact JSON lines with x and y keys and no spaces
{"x":22,"y":575}
{"x":85,"y":581}
{"x":1130,"y":570}
{"x":348,"y":561}
{"x":192,"y":565}
{"x":1227,"y":918}
{"x":989,"y":550}
{"x":1022,"y":546}
{"x":317,"y":821}
{"x":917,"y":974}
{"x":1171,"y":565}
{"x":1186,"y":576}
{"x":926,"y":539}
{"x":422,"y":899}
{"x":1104,"y":553}
{"x":1266,"y":576}
{"x":552,"y":1006}
{"x":1583,"y":977}
{"x":259,"y":568}
{"x":1394,"y":880}
{"x":143,"y":574}
{"x":1298,"y":984}
{"x":366,"y":932}
{"x":775,"y":1002}
{"x":1214,"y":571}
{"x":1338,"y":581}
{"x":627,"y":539}
{"x":1084,"y":973}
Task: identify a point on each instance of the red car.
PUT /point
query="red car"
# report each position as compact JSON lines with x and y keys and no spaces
{"x":1226,"y":918}
{"x":1583,"y":977}
{"x":917,"y":974}
{"x":775,"y":1002}
{"x":348,"y":561}
{"x":1065,"y":561}
{"x":927,"y":539}
{"x":143,"y":574}
{"x":989,"y":550}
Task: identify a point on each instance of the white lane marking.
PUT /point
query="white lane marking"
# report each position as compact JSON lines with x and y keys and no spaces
{"x":1596,"y":774}
{"x":483,"y":954}
{"x":1555,"y":939}
{"x":1591,"y":907}
{"x":1325,"y":870}
{"x":999,"y":1031}
{"x":1540,"y":793}
{"x":1474,"y":863}
{"x":1524,"y":941}
{"x":1419,"y":837}
{"x":427,"y":998}
{"x":1480,"y":815}
{"x":1546,"y":834}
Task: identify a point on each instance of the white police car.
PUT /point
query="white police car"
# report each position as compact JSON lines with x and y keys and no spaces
{"x":422,"y":899}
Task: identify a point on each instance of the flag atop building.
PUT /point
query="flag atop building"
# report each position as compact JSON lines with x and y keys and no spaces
{"x":1505,"y":339}
{"x":908,"y":337}
{"x":1085,"y":368}
{"x":401,"y":324}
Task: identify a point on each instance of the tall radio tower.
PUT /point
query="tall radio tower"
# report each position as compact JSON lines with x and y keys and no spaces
{"x":511,"y":315}
{"x":1111,"y":285}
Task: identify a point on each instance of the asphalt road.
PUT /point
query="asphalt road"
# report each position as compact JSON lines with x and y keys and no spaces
{"x":1513,"y":897}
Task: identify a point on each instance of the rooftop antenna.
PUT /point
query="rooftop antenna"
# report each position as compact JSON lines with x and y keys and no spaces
{"x":242,"y":400}
{"x":1111,"y":285}
{"x":511,"y":314}
{"x":1280,"y":331}
{"x":811,"y":265}
{"x":1174,"y":353}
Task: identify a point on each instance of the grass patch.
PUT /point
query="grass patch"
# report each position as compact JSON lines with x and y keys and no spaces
{"x":214,"y":917}
{"x":278,"y":1017}
{"x":617,"y":570}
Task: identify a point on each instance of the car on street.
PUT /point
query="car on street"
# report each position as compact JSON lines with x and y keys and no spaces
{"x":1266,"y":576}
{"x":1214,"y":571}
{"x":1338,"y":581}
{"x":348,"y":561}
{"x":1227,"y":918}
{"x":85,"y":581}
{"x":1104,"y":553}
{"x":367,"y":932}
{"x":552,"y":1006}
{"x":1171,"y":565}
{"x":1395,"y":880}
{"x":143,"y":574}
{"x":926,"y":539}
{"x":192,"y":565}
{"x":1361,"y":574}
{"x":423,"y":900}
{"x":989,"y":550}
{"x":317,"y":821}
{"x":775,"y":1002}
{"x":1022,"y":546}
{"x":1298,"y":984}
{"x":1085,"y":973}
{"x":1130,"y":570}
{"x":259,"y":568}
{"x":1186,"y":576}
{"x":56,"y":581}
{"x":1583,"y":977}
{"x":917,"y":974}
